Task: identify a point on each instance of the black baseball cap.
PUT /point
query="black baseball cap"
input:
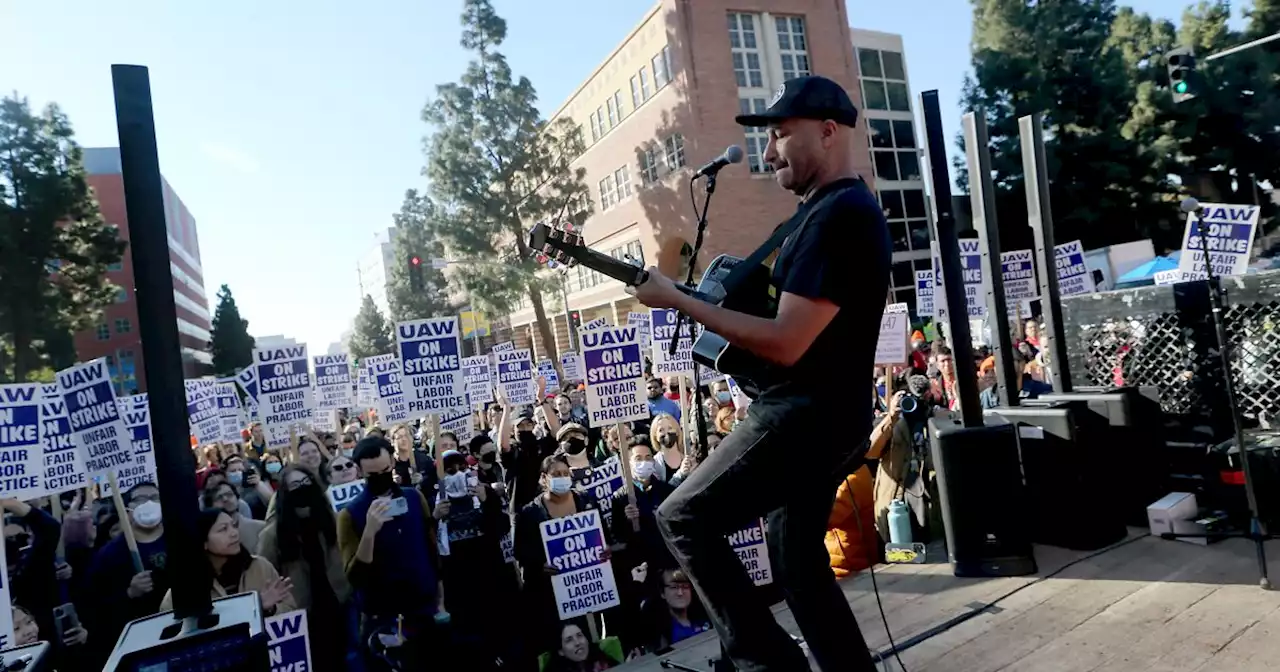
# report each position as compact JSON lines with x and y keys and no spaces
{"x":811,"y":97}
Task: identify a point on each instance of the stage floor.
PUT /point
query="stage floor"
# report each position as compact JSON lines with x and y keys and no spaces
{"x":1147,"y":605}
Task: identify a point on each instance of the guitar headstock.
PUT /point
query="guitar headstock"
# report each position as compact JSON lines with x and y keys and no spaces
{"x":556,"y":243}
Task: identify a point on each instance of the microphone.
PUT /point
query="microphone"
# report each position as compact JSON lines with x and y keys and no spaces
{"x":1189,"y":205}
{"x":733,"y":154}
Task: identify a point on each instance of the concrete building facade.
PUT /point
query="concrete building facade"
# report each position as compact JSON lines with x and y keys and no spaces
{"x":373,"y":269}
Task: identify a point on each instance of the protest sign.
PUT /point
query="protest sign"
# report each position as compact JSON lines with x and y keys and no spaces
{"x":333,"y":382}
{"x":21,"y":456}
{"x":663,"y":326}
{"x":1073,"y":275}
{"x":508,"y":544}
{"x":1018,"y":269}
{"x":740,"y":398}
{"x":749,"y":543}
{"x":571,"y":362}
{"x":708,"y":375}
{"x":1167,"y":277}
{"x":98,"y":431}
{"x":247,"y":379}
{"x":614,"y":366}
{"x":431,"y":366}
{"x":515,"y":376}
{"x":642,"y":321}
{"x":475,"y":371}
{"x":895,"y":324}
{"x":137,"y":419}
{"x":63,"y":466}
{"x":384,"y":375}
{"x":504,"y":347}
{"x":596,"y":323}
{"x":341,"y":496}
{"x":230,"y":416}
{"x":547,"y":369}
{"x":202,"y":409}
{"x":924,"y":293}
{"x":583,"y":582}
{"x":284,"y":391}
{"x":366,"y":396}
{"x":6,"y":615}
{"x":461,"y":424}
{"x":971,"y":268}
{"x":1230,"y":230}
{"x":604,"y":480}
{"x":288,"y":642}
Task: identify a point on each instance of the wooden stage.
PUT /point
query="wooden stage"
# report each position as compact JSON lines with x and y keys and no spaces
{"x":1150,"y":604}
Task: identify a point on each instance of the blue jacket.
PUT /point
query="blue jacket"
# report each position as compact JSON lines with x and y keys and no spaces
{"x":402,"y":579}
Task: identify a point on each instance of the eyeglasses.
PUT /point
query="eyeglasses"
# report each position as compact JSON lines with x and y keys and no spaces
{"x":299,"y":482}
{"x":342,"y":466}
{"x":137,"y":499}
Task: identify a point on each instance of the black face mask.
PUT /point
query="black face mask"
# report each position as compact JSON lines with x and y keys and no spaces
{"x":306,"y":497}
{"x":668,"y":439}
{"x":379,"y":484}
{"x":654,"y":394}
{"x":489,"y":458}
{"x":526,"y":438}
{"x":573,"y":446}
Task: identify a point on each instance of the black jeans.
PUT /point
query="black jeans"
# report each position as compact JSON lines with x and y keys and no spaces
{"x":791,"y":475}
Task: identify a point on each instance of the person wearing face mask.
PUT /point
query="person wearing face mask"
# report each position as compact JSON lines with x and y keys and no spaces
{"x":122,"y":593}
{"x":30,"y":545}
{"x":302,"y":543}
{"x":223,"y":495}
{"x":572,"y":441}
{"x":272,"y":464}
{"x":666,"y":437}
{"x":255,"y":493}
{"x":489,"y":471}
{"x":523,"y":456}
{"x":644,"y":548}
{"x":233,"y":569}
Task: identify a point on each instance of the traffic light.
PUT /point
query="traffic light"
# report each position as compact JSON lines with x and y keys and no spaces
{"x":577,"y":319}
{"x":1181,"y":64}
{"x":416,"y":282}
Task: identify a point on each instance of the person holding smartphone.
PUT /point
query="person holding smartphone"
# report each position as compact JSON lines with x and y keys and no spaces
{"x":387,"y":540}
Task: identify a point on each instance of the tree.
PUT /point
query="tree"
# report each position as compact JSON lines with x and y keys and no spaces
{"x":417,"y":236}
{"x":497,"y":167}
{"x":231,"y":344}
{"x":371,"y":333}
{"x":54,"y":245}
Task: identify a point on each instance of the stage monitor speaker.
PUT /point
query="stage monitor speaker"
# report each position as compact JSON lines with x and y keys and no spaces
{"x":229,"y":637}
{"x":29,"y":658}
{"x":983,"y":500}
{"x":1067,"y":469}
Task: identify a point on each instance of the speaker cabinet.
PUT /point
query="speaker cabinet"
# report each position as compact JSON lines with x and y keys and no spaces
{"x":983,"y":499}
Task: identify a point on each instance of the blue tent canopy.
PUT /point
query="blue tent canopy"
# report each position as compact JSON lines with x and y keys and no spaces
{"x":1148,"y":270}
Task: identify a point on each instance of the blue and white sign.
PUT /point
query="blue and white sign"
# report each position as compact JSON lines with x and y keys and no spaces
{"x":384,"y":374}
{"x":504,"y":347}
{"x":137,"y":419}
{"x":230,"y":416}
{"x":515,"y":376}
{"x":547,"y":369}
{"x":63,"y":466}
{"x":21,"y":456}
{"x":99,"y":432}
{"x":288,"y":643}
{"x":284,"y":391}
{"x":641,"y":320}
{"x":614,"y":365}
{"x":365,"y":394}
{"x":750,"y":545}
{"x":1230,"y":230}
{"x":1167,"y":277}
{"x":6,"y":615}
{"x":663,"y":324}
{"x":924,"y":294}
{"x":475,"y":370}
{"x":202,"y":410}
{"x":571,"y":362}
{"x":583,"y":582}
{"x":971,"y":268}
{"x":247,"y":379}
{"x":461,"y":423}
{"x":334,"y":388}
{"x":740,"y":399}
{"x":341,"y":496}
{"x":1073,"y":275}
{"x":1018,"y":269}
{"x":431,"y":366}
{"x":596,"y":323}
{"x":603,"y":481}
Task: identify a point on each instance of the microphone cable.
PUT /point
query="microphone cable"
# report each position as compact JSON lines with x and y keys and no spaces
{"x":871,"y":568}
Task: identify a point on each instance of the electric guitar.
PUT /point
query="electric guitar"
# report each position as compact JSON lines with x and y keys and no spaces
{"x":751,"y":373}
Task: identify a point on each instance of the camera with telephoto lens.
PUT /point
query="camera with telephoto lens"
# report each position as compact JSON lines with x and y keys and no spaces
{"x":914,"y":403}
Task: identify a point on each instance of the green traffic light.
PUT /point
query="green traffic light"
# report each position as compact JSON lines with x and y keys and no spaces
{"x":1180,"y":87}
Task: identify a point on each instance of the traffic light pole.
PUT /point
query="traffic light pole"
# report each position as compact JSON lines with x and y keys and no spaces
{"x":1243,"y":47}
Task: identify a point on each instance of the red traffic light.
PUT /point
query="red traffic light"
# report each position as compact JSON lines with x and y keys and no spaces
{"x":415,"y":260}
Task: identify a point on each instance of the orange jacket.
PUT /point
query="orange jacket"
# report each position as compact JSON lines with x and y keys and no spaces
{"x":852,"y":549}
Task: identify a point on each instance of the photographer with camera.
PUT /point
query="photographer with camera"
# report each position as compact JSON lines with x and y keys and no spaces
{"x":905,"y":471}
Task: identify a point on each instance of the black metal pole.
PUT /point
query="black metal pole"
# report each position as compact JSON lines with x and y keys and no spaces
{"x":982,"y":195}
{"x":153,"y":286}
{"x":1040,"y":218}
{"x":949,"y":249}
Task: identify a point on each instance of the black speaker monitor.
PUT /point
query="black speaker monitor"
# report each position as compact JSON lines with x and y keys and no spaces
{"x":983,"y":500}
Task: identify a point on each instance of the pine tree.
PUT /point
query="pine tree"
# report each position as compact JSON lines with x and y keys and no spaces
{"x":416,"y":236}
{"x":54,"y":245}
{"x":230,"y":344}
{"x":498,"y":167}
{"x":371,"y":333}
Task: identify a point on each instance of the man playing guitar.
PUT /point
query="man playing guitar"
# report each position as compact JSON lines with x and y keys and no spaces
{"x":830,"y":277}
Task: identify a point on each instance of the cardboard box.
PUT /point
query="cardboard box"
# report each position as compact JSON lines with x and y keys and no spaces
{"x":1171,"y":507}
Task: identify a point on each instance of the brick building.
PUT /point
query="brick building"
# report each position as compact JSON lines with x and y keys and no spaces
{"x":117,"y":336}
{"x":663,"y":104}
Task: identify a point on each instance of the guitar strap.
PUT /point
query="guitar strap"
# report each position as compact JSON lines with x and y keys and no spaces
{"x":743,"y":270}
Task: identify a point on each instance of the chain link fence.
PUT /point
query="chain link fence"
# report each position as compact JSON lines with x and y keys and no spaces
{"x":1165,"y":337}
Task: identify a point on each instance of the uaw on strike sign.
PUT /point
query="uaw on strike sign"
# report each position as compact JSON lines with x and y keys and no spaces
{"x":583,"y":582}
{"x":284,"y":391}
{"x":99,"y":432}
{"x":615,"y":376}
{"x":21,"y":455}
{"x":431,"y":376}
{"x":333,"y":382}
{"x":1229,"y":229}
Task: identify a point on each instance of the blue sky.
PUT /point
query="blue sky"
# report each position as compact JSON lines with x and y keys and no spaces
{"x":292,"y":136}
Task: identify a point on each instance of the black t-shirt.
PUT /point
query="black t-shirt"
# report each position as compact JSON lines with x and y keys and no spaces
{"x":841,"y":254}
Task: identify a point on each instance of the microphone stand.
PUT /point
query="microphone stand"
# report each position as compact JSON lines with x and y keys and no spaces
{"x":696,"y":406}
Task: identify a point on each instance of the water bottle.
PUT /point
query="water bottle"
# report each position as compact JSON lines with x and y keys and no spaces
{"x":899,"y":522}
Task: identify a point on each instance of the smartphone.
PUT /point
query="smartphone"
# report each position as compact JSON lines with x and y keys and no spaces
{"x":398,"y":507}
{"x":65,"y":620}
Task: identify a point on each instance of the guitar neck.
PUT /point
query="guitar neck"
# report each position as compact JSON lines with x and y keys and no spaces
{"x":622,"y":271}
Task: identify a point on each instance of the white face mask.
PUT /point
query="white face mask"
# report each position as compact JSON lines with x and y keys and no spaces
{"x":147,"y":514}
{"x":455,"y":485}
{"x":643,"y":470}
{"x":561,"y":484}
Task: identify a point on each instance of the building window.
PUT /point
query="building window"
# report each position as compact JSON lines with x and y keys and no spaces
{"x":745,"y":50}
{"x":893,"y":149}
{"x":622,"y":178}
{"x":757,"y":138}
{"x":103,"y":332}
{"x":123,"y":326}
{"x":633,"y":251}
{"x":600,"y":115}
{"x":908,"y":222}
{"x":608,"y":193}
{"x":662,"y":67}
{"x":122,"y":295}
{"x":884,"y":80}
{"x":645,"y":89}
{"x":636,"y":98}
{"x":118,"y":266}
{"x":674,"y":151}
{"x":792,"y":47}
{"x":617,"y":103}
{"x":648,"y":165}
{"x":596,"y":131}
{"x":612,"y":104}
